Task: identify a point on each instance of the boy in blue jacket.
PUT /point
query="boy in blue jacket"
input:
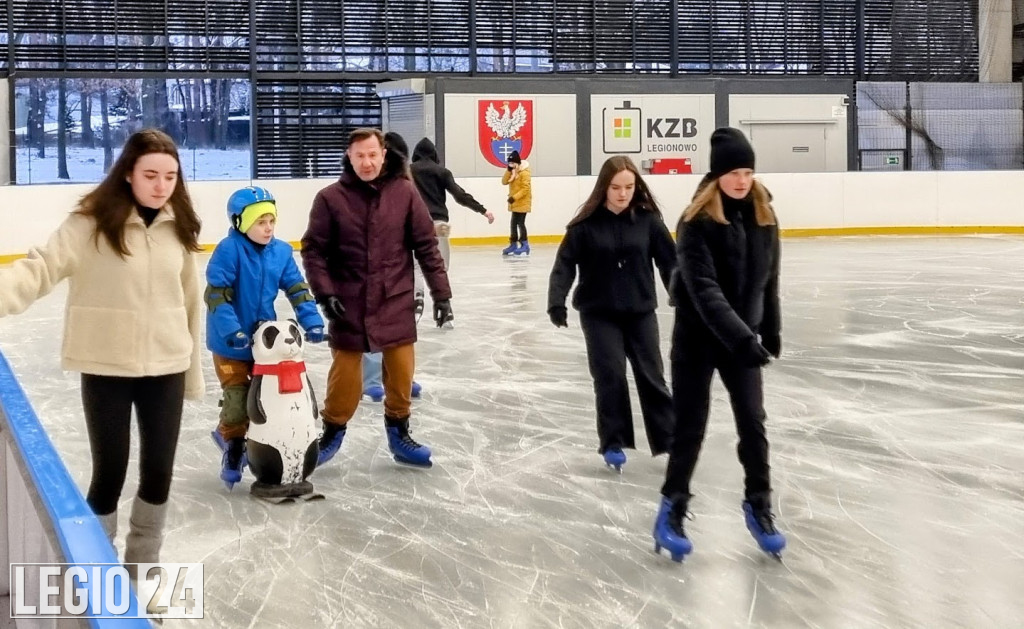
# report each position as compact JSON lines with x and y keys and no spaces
{"x":247,"y":270}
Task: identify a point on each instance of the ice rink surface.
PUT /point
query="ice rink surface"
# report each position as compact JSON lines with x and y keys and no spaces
{"x":897,"y":435}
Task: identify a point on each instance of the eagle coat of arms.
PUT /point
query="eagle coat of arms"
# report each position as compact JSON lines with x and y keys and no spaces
{"x":504,"y":126}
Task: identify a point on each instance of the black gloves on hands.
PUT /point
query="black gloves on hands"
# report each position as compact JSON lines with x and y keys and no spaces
{"x":333,"y":307}
{"x":511,"y":200}
{"x":750,"y":353}
{"x":773,"y":344}
{"x":442,"y":311}
{"x":559,"y":316}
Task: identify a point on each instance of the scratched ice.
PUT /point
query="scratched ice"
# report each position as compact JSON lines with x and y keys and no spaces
{"x":897,"y":452}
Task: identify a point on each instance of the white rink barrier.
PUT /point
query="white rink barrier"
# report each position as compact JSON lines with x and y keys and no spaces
{"x":806,"y":203}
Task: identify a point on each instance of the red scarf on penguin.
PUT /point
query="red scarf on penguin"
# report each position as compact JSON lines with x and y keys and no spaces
{"x":288,"y":372}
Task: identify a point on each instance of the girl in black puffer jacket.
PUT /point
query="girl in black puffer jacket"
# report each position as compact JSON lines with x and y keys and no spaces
{"x":726,"y":290}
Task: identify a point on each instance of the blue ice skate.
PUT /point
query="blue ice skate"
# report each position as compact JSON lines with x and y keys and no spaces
{"x":511,"y":249}
{"x":669,"y":534}
{"x":760,"y":523}
{"x":403,"y":447}
{"x":524,"y":249}
{"x":615,"y":458}
{"x":375,"y":392}
{"x":330,"y":442}
{"x":233,"y":459}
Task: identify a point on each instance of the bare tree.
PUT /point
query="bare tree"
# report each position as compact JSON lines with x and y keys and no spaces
{"x":108,"y":144}
{"x":153,"y":99}
{"x":62,"y":129}
{"x":36,"y":131}
{"x":86,"y":94}
{"x":198,"y":110}
{"x":220,"y":101}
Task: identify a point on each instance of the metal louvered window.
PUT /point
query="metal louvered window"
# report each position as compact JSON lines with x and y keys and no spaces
{"x":405,"y":117}
{"x":303,"y":127}
{"x":137,"y":35}
{"x":327,"y":52}
{"x":903,"y":39}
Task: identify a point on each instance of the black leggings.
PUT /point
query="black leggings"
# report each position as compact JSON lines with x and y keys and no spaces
{"x":108,"y":404}
{"x":518,"y":227}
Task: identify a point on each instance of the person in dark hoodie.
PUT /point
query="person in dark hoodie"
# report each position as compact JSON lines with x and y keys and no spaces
{"x":726,"y":291}
{"x":358,"y":249}
{"x":433,"y":180}
{"x":614,"y":238}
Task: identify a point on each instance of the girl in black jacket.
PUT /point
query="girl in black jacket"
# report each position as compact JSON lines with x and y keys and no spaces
{"x":727,"y":319}
{"x":613,"y":239}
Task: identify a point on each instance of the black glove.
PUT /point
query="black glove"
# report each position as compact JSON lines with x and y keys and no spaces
{"x":442,"y":311}
{"x":750,"y":353}
{"x":559,"y":316}
{"x":511,"y":200}
{"x":772,"y":343}
{"x":332,"y":307}
{"x":511,"y":167}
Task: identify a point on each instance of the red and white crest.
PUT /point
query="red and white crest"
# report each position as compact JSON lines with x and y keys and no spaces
{"x":504,"y":126}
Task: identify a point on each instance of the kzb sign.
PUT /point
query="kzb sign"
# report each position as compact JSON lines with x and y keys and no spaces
{"x":671,"y":128}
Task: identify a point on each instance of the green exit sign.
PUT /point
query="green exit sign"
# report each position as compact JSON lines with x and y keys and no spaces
{"x":892,"y":160}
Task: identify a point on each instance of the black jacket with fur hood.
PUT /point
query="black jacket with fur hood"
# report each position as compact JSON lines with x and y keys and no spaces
{"x":433,"y":180}
{"x":726,"y":286}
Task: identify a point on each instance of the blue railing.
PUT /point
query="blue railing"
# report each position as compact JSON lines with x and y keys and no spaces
{"x":79,"y":533}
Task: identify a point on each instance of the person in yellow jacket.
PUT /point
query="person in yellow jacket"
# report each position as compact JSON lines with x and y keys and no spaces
{"x":132,"y":325}
{"x":520,"y":201}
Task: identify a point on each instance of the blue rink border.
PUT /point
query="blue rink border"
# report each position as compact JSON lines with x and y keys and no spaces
{"x":79,"y":533}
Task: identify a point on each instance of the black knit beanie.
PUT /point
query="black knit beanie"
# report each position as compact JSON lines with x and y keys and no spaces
{"x":729,"y":150}
{"x":513,"y":158}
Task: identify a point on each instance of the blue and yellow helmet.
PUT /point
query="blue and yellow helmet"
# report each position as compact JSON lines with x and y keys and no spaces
{"x":246,"y":205}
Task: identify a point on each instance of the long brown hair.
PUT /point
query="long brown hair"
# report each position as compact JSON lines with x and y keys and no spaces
{"x":708,"y":199}
{"x":642,"y":199}
{"x":111,"y":203}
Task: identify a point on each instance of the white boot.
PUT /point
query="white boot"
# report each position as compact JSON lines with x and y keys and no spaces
{"x":145,"y":534}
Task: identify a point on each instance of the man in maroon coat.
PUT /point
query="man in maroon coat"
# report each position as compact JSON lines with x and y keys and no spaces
{"x":357,"y":252}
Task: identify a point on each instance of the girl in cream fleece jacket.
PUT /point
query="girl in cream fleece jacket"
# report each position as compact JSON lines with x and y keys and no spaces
{"x":132,"y":324}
